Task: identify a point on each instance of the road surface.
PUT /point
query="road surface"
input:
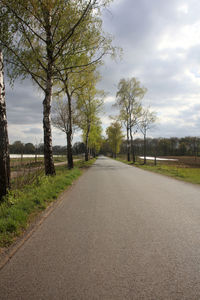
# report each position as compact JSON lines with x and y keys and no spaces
{"x":120,"y":233}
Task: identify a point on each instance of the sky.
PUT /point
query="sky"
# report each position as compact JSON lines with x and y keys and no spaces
{"x":161,"y":48}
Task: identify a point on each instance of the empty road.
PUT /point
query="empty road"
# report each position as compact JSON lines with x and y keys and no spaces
{"x":119,"y":233}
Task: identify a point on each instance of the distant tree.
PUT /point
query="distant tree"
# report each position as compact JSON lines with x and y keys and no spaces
{"x":78,"y":148}
{"x":29,"y":148}
{"x":129,"y":95}
{"x":17,"y":147}
{"x":89,"y":105}
{"x":173,"y":145}
{"x":115,"y":136}
{"x":40,"y":148}
{"x":64,"y":118}
{"x":146,"y":122}
{"x":105,"y":147}
{"x":182,"y":149}
{"x":95,"y":138}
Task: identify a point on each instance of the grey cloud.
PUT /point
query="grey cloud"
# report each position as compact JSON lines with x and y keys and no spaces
{"x":138,"y":26}
{"x":33,"y":131}
{"x":24,"y":104}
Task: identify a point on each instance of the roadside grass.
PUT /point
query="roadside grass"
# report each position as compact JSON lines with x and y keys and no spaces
{"x":191,"y":175}
{"x":175,"y":170}
{"x":19,"y":207}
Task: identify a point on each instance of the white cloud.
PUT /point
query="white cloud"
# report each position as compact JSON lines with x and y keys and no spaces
{"x":161,"y":45}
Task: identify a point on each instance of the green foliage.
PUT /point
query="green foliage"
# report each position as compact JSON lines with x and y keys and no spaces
{"x":147,"y":119}
{"x":95,"y":139}
{"x":114,"y":133}
{"x":19,"y":205}
{"x":129,"y":95}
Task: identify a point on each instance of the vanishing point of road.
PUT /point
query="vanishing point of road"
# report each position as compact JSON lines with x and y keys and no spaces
{"x":119,"y":233}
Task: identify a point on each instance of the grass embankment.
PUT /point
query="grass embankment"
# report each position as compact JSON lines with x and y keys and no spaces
{"x":22,"y":205}
{"x":176,"y":170}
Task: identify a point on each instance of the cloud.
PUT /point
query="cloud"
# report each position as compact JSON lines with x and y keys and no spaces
{"x":161,"y":48}
{"x":161,"y":45}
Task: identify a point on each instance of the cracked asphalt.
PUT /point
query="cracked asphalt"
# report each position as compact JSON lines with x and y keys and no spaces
{"x":119,"y":233}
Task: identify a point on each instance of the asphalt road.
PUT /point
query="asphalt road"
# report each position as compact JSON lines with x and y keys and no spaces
{"x":120,"y":233}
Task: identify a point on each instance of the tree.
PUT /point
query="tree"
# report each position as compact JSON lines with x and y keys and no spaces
{"x":89,"y":105}
{"x":114,"y":133}
{"x":4,"y":142}
{"x":79,"y":148}
{"x":64,"y":118}
{"x":146,"y":122}
{"x":4,"y":152}
{"x":46,"y":31}
{"x":129,"y":95}
{"x":95,"y":137}
{"x":29,"y":148}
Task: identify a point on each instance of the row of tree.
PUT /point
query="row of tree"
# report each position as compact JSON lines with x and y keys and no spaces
{"x":28,"y":148}
{"x":167,"y":146}
{"x":173,"y":146}
{"x":132,"y":117}
{"x":58,"y":44}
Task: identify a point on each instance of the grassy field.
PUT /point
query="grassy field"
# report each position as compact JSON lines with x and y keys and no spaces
{"x":31,"y":162}
{"x":186,"y":168}
{"x":23,"y":203}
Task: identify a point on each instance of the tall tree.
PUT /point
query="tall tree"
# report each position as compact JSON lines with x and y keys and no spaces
{"x":89,"y":105}
{"x":4,"y":153}
{"x":146,"y":122}
{"x":115,"y":136}
{"x":129,"y":95}
{"x":4,"y":142}
{"x":46,"y":31}
{"x":64,"y":118}
{"x":95,"y":137}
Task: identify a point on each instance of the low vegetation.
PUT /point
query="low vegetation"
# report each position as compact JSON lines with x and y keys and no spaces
{"x":183,"y":169}
{"x":22,"y":204}
{"x":27,"y":162}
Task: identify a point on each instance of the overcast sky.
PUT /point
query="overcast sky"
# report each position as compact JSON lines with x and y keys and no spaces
{"x":161,"y":48}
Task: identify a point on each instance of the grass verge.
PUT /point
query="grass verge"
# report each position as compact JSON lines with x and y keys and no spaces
{"x":21,"y":204}
{"x":187,"y":174}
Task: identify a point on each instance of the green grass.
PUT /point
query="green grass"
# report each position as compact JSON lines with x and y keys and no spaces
{"x":187,"y":174}
{"x":191,"y":175}
{"x":21,"y":204}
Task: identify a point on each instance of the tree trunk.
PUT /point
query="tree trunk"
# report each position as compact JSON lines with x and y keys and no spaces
{"x":128,"y":144}
{"x":48,"y":151}
{"x":69,"y":151}
{"x":69,"y":133}
{"x":4,"y":143}
{"x":86,"y":143}
{"x":145,"y":149}
{"x":132,"y":147}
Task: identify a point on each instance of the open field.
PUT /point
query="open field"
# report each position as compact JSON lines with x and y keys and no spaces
{"x":29,"y":196}
{"x":26,"y":162}
{"x":18,"y":164}
{"x":186,"y":168}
